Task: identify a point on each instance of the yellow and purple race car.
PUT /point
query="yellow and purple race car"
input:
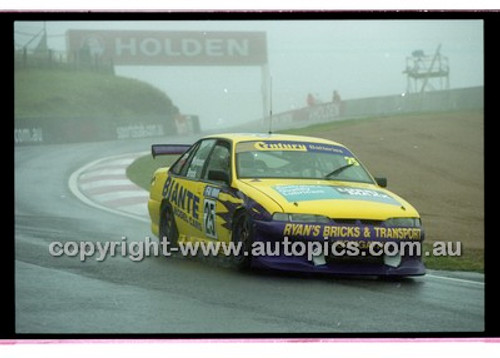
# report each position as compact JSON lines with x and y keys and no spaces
{"x":285,"y":202}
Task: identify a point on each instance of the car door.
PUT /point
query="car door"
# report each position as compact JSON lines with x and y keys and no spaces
{"x":216,"y":198}
{"x":185,"y":192}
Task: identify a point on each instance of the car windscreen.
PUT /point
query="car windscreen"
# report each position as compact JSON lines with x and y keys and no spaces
{"x":301,"y":160}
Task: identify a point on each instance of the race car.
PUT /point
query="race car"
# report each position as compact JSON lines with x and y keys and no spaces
{"x":285,"y":202}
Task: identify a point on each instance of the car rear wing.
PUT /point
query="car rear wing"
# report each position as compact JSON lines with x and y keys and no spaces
{"x":168,"y":149}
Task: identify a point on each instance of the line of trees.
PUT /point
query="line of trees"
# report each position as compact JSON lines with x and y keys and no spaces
{"x":47,"y":58}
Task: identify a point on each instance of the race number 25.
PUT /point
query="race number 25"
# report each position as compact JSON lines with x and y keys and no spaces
{"x":209,"y":218}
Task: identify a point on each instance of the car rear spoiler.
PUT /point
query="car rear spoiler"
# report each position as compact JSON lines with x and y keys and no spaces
{"x":168,"y":149}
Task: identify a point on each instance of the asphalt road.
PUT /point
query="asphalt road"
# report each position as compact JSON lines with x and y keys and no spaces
{"x":158,"y":295}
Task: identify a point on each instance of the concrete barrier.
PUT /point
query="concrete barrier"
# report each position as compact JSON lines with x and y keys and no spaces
{"x":55,"y":130}
{"x":450,"y":100}
{"x":437,"y":101}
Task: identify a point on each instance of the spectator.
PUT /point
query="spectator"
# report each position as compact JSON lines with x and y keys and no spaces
{"x":337,"y":101}
{"x":311,"y":101}
{"x":336,"y":97}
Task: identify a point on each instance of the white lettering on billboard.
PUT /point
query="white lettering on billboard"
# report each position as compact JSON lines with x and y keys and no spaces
{"x":121,"y":47}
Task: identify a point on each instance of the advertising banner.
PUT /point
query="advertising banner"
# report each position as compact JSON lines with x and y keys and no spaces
{"x":179,"y":48}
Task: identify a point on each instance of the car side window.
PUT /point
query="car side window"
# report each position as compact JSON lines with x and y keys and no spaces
{"x":196,"y":163}
{"x":219,"y":159}
{"x":181,"y":162}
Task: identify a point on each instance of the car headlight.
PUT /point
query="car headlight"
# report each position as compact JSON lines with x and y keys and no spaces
{"x":406,"y":222}
{"x":307,"y":218}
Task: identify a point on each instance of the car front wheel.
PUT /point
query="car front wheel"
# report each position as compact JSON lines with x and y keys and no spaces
{"x":243,"y":238}
{"x":168,"y":228}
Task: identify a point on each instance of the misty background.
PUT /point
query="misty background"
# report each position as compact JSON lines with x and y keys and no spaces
{"x":357,"y":58}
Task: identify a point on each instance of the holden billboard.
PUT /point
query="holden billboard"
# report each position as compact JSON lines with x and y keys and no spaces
{"x":180,"y":48}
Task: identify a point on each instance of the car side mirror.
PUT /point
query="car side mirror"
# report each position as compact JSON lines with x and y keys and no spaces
{"x":382,"y":182}
{"x":218,"y":175}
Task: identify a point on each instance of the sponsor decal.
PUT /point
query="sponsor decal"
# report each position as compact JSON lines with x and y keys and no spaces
{"x":28,"y":135}
{"x":351,"y":231}
{"x":276,"y":145}
{"x":185,"y":203}
{"x":295,"y":193}
{"x":352,"y":160}
{"x":280,"y":146}
{"x":328,"y":148}
{"x":187,"y":218}
{"x":139,"y":131}
{"x":211,"y":192}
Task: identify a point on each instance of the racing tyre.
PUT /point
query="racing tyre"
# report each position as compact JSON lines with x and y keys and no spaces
{"x":243,"y":233}
{"x":168,"y":227}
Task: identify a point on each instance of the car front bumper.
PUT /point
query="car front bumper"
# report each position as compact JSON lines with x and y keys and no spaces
{"x":271,"y":233}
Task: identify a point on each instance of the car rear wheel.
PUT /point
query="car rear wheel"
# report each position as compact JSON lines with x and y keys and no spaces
{"x":168,"y":228}
{"x":243,"y":238}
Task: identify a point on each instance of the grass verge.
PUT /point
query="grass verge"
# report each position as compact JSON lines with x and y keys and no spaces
{"x":314,"y":129}
{"x":141,"y":170}
{"x":49,"y":93}
{"x":469,"y":260}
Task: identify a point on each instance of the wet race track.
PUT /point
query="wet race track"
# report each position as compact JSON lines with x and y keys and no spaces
{"x":179,"y":295}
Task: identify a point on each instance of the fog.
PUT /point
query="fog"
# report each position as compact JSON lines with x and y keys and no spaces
{"x":357,"y":58}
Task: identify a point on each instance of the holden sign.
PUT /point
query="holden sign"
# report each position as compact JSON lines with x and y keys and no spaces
{"x":180,"y":48}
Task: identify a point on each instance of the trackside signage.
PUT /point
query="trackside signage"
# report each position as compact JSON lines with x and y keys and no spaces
{"x":179,"y":48}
